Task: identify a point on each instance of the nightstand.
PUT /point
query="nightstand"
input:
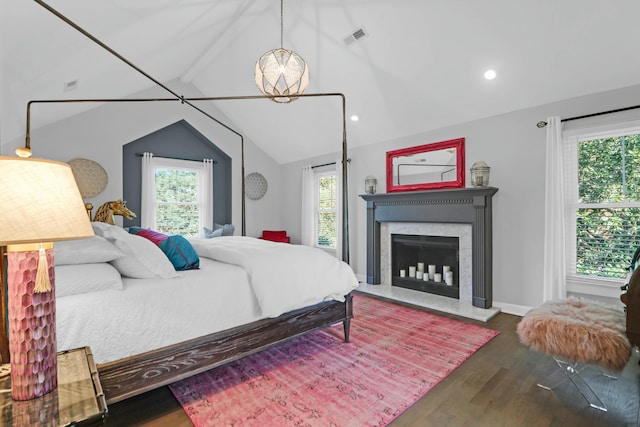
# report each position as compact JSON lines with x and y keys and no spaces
{"x":77,"y":401}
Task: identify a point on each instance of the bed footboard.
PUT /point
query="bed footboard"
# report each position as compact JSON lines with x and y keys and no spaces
{"x":135,"y":375}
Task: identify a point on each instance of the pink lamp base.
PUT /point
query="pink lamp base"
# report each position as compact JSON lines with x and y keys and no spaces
{"x":32,"y":327}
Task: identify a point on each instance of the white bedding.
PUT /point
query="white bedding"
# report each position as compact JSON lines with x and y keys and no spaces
{"x":151,"y":313}
{"x":284,"y":277}
{"x":268,"y":280}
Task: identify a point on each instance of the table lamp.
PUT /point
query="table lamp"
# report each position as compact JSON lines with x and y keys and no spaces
{"x":40,"y":204}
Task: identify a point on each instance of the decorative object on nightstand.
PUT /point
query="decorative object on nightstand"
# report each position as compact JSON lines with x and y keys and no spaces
{"x":480,"y":174}
{"x":78,"y":400}
{"x":41,"y":204}
{"x":255,"y":186}
{"x":107,"y":210}
{"x":370,"y":184}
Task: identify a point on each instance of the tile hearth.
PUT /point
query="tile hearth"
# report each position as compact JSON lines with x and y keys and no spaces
{"x":431,"y":301}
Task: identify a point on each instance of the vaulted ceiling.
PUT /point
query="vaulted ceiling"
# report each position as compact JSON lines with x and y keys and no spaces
{"x":420,"y":67}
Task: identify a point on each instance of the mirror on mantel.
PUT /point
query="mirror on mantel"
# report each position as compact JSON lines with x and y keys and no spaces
{"x":426,"y":167}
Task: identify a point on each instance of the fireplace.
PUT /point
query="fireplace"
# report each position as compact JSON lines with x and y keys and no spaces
{"x":426,"y":263}
{"x":464,"y":213}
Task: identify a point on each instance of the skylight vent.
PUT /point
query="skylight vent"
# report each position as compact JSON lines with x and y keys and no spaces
{"x":358,"y":34}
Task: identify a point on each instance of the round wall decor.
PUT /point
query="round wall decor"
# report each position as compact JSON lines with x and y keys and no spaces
{"x":90,"y":177}
{"x":255,"y":186}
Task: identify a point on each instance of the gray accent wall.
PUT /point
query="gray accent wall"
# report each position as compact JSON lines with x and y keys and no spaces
{"x":182,"y":141}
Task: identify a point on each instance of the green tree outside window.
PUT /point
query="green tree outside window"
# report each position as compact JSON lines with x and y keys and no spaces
{"x":326,"y":211}
{"x":607,"y":223}
{"x":177,"y":204}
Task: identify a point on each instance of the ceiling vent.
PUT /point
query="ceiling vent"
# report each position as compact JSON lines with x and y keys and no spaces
{"x":71,"y":85}
{"x":358,"y":34}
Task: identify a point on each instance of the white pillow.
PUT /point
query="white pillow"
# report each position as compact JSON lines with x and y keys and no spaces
{"x":142,"y":259}
{"x":84,"y":278}
{"x":85,"y":251}
{"x":101,"y":227}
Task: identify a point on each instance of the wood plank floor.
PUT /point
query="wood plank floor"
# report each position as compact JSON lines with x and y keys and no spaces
{"x":495,"y":387}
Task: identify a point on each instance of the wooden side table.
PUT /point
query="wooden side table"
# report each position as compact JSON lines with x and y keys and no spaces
{"x":78,"y":400}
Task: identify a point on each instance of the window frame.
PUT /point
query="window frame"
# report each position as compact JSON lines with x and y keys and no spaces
{"x":318,"y":175}
{"x":592,"y":285}
{"x":184,"y":165}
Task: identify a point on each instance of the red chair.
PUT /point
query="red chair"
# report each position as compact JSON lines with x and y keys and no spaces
{"x":275,"y":236}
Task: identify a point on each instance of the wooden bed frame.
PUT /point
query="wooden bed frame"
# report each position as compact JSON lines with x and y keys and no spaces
{"x":138,"y":374}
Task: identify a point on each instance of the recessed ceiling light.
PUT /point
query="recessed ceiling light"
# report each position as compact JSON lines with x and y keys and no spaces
{"x":354,"y":118}
{"x":490,"y":74}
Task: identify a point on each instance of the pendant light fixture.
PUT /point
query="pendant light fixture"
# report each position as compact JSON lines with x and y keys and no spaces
{"x":280,"y":72}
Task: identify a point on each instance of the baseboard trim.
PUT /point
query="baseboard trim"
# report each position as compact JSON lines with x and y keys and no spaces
{"x":517,"y":310}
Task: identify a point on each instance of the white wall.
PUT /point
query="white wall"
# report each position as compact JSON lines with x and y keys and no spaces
{"x":514,"y":148}
{"x":100,"y":133}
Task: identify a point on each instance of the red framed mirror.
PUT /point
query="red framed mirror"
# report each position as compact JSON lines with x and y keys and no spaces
{"x":426,"y":167}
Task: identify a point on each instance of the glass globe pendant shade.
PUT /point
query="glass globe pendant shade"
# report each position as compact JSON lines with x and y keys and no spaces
{"x":282,"y":73}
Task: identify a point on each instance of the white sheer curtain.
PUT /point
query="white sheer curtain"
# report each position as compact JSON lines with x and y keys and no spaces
{"x":339,"y":236}
{"x":148,"y":190}
{"x":207,"y":194}
{"x":308,"y":217}
{"x":554,"y":273}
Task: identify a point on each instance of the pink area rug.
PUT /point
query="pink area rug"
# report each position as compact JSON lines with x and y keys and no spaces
{"x":395,"y":356}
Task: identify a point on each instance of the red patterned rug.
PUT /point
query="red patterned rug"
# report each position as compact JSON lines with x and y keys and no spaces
{"x":395,"y":356}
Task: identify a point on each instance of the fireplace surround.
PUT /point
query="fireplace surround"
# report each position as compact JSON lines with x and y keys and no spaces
{"x":455,"y":206}
{"x":414,"y":251}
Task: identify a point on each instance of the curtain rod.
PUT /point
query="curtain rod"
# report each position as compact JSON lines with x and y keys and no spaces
{"x":328,"y":164}
{"x":542,"y":124}
{"x":215,"y":162}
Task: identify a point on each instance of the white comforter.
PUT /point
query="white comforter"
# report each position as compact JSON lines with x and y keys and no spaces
{"x":152,"y":313}
{"x":283,"y":277}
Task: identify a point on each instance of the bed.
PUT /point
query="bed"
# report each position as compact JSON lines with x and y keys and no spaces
{"x":124,"y":375}
{"x":165,"y":325}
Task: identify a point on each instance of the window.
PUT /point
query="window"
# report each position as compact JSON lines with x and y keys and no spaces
{"x":602,"y":191}
{"x":180,"y":196}
{"x":325,"y":209}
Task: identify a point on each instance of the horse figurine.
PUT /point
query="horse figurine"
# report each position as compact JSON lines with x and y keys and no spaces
{"x":106,"y":212}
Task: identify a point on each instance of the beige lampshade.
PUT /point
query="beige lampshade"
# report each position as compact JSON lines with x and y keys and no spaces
{"x":40,"y":202}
